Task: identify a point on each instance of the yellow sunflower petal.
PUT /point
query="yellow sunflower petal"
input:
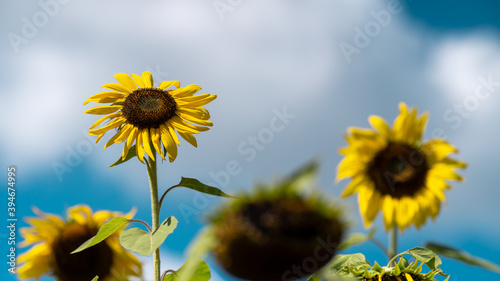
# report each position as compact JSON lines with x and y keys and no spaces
{"x":111,"y":141}
{"x":124,"y":133}
{"x":388,"y":208}
{"x":126,"y":81}
{"x":438,"y":149}
{"x":354,"y":186}
{"x":189,"y":138}
{"x":167,"y":84}
{"x":132,"y":136}
{"x":370,"y":202}
{"x":444,"y":172}
{"x":350,"y":167}
{"x":408,"y":277}
{"x":169,"y":143}
{"x":196,"y":102}
{"x":148,"y":79}
{"x":155,"y":138}
{"x":117,"y":87}
{"x":145,"y":142}
{"x":172,"y":132}
{"x":103,"y":95}
{"x":138,"y":80}
{"x":80,"y":213}
{"x":380,"y":125}
{"x":113,"y":124}
{"x":138,"y":146}
{"x":192,"y":119}
{"x":185,"y":91}
{"x":106,"y":109}
{"x":35,"y":262}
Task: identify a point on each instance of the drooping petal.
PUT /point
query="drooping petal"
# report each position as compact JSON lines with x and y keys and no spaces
{"x":138,"y":146}
{"x":189,"y":138}
{"x":145,"y":142}
{"x":169,"y":143}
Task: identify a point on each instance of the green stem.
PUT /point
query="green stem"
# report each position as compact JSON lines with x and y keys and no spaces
{"x":393,"y":243}
{"x":155,"y":210}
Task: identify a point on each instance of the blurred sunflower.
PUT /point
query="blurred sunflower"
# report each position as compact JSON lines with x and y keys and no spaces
{"x":54,"y":239}
{"x":276,"y":232}
{"x":151,"y":116}
{"x":394,"y":171}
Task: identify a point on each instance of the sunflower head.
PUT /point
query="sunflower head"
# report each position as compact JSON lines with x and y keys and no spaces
{"x":149,"y":116}
{"x":356,"y":266}
{"x":276,"y":234}
{"x":394,"y":171}
{"x":53,"y":239}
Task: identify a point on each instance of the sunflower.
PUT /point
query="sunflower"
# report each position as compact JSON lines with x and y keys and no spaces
{"x":151,"y":116}
{"x":394,"y":171}
{"x":356,"y":267}
{"x":275,"y":233}
{"x":53,"y":239}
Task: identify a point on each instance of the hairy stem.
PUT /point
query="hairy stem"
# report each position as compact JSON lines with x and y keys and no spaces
{"x":155,"y":211}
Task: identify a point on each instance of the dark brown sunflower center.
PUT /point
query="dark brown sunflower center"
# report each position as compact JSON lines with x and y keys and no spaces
{"x":149,"y":108}
{"x":85,"y":265}
{"x":398,"y":170}
{"x":266,"y":240}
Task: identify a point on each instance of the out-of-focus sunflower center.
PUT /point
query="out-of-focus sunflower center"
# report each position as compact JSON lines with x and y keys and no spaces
{"x":149,"y":108}
{"x":264,"y":239}
{"x":398,"y":170}
{"x":84,"y":265}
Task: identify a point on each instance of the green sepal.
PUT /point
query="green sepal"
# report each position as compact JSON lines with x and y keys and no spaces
{"x":201,"y":272}
{"x":403,"y":263}
{"x":396,"y":270}
{"x":145,"y":243}
{"x":201,"y":187}
{"x":356,"y":239}
{"x":462,"y":256}
{"x":104,"y":232}
{"x":377,"y":267}
{"x":95,"y":278}
{"x":131,"y":154}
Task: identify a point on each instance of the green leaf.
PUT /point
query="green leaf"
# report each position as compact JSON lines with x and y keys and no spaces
{"x":428,"y":257}
{"x":201,"y":187}
{"x":462,"y":256}
{"x":104,"y":232}
{"x":203,"y":243}
{"x":356,"y":239}
{"x":145,"y":243}
{"x":301,"y":178}
{"x":131,"y":154}
{"x":340,"y":261}
{"x":95,"y":278}
{"x":201,"y":272}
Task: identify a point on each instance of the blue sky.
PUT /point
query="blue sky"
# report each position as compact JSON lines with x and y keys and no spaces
{"x":262,"y":59}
